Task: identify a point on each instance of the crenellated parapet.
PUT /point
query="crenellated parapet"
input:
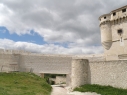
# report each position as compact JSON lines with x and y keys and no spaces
{"x":119,"y":13}
{"x":9,"y":51}
{"x":104,"y":19}
{"x":114,"y":17}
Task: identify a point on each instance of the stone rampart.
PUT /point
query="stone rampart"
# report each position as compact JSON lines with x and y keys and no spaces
{"x":79,"y":72}
{"x":9,"y":62}
{"x":15,"y":60}
{"x":112,"y":73}
{"x":45,"y":64}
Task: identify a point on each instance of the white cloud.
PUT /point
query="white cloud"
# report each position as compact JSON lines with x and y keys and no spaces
{"x":47,"y":48}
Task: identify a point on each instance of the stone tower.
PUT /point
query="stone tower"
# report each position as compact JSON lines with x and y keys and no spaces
{"x":113,"y":28}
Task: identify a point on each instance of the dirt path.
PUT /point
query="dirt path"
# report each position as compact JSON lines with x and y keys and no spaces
{"x":59,"y":90}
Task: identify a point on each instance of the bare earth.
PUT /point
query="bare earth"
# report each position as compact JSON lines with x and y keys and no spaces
{"x":59,"y":90}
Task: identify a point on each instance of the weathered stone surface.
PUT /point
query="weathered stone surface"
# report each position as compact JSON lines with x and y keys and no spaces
{"x":46,"y":64}
{"x":79,"y":74}
{"x":112,"y":73}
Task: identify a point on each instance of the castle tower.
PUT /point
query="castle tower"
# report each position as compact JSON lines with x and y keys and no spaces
{"x":106,"y":33}
{"x":113,"y":28}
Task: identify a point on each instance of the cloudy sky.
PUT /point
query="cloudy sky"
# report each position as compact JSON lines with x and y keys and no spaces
{"x":53,"y":26}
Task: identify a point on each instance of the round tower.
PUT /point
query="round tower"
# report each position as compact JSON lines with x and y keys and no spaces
{"x":106,"y":33}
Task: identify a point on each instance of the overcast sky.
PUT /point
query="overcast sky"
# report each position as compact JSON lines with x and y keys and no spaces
{"x":53,"y":26}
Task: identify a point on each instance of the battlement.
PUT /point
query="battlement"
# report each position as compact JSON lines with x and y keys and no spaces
{"x":9,"y":51}
{"x":115,"y":17}
{"x":105,"y":18}
{"x":119,"y":13}
{"x":26,"y":53}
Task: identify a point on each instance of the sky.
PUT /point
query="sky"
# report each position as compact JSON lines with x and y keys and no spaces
{"x":54,"y":26}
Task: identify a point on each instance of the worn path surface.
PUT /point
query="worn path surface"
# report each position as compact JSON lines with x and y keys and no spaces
{"x":59,"y":90}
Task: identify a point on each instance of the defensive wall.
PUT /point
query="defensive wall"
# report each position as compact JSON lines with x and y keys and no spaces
{"x":11,"y":60}
{"x":89,"y":69}
{"x":113,"y":73}
{"x":22,"y":61}
{"x":45,"y":64}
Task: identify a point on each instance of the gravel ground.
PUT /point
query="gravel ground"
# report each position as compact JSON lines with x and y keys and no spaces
{"x":59,"y":90}
{"x":86,"y":93}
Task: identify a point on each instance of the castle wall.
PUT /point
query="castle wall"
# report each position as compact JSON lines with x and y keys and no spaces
{"x":118,"y":13}
{"x":116,"y":49}
{"x":79,"y":72}
{"x":112,"y":73}
{"x":104,"y":18}
{"x":60,"y":79}
{"x":45,"y":64}
{"x":9,"y":62}
{"x":120,"y":25}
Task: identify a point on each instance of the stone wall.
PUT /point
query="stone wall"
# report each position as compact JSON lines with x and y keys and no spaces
{"x":112,"y":73}
{"x":79,"y":72}
{"x":9,"y":62}
{"x":60,"y":79}
{"x":116,"y":50}
{"x":45,"y":64}
{"x":15,"y":60}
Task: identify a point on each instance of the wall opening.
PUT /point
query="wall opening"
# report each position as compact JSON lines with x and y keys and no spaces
{"x":123,"y":10}
{"x":105,"y":17}
{"x":120,"y":32}
{"x":114,"y":13}
{"x":55,"y":78}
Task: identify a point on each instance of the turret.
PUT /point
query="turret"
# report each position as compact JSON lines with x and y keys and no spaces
{"x":106,"y":33}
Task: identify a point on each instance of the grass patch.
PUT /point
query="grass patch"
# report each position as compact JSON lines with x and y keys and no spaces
{"x":103,"y":90}
{"x":20,"y":83}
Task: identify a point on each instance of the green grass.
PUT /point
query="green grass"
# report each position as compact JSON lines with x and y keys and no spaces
{"x":103,"y":90}
{"x":20,"y":83}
